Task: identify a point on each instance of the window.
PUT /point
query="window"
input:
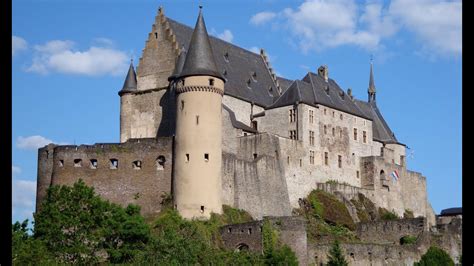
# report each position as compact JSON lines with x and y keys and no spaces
{"x":254,"y":76}
{"x":355,"y":133}
{"x":160,"y":162}
{"x":292,"y":134}
{"x":226,"y":56}
{"x":292,"y":115}
{"x":288,"y":160}
{"x":202,"y":209}
{"x":339,"y":161}
{"x":402,"y":160}
{"x":325,"y":129}
{"x":197,"y":120}
{"x":301,"y":162}
{"x":182,"y":105}
{"x":311,"y":116}
{"x":248,"y":83}
{"x":340,"y":116}
{"x":357,"y":174}
{"x":211,"y":82}
{"x":250,"y":231}
{"x":156,"y":35}
{"x":113,"y":164}
{"x":93,"y":164}
{"x":61,"y":163}
{"x":254,"y":125}
{"x":340,"y":133}
{"x":333,"y":132}
{"x":311,"y":157}
{"x":137,"y":165}
{"x":187,"y":157}
{"x":311,"y":137}
{"x":77,"y":163}
{"x":206,"y":157}
{"x":364,"y":136}
{"x":255,"y":156}
{"x":326,"y":158}
{"x":325,"y":111}
{"x":333,"y":114}
{"x":381,"y":151}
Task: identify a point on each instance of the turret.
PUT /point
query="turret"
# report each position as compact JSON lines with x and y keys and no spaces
{"x":198,"y":140}
{"x":126,"y":93}
{"x":371,"y":90}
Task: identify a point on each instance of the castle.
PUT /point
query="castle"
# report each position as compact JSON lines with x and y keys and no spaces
{"x":211,"y":123}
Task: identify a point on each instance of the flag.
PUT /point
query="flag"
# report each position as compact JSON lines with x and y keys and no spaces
{"x":395,"y":175}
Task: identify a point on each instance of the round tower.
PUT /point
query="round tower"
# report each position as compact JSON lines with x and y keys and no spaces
{"x":198,"y":141}
{"x":126,"y":94}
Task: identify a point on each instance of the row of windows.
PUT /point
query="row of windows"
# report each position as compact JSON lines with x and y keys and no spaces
{"x":364,"y":135}
{"x":325,"y":130}
{"x":114,"y":163}
{"x":206,"y":157}
{"x":326,"y":160}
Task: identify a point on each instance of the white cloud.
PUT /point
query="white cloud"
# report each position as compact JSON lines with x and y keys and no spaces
{"x":18,"y":44}
{"x":320,"y":24}
{"x":16,"y":170}
{"x":255,"y":49}
{"x":226,"y":36}
{"x":262,"y":17}
{"x":60,"y":56}
{"x":34,"y":142}
{"x":23,"y":194}
{"x":437,"y":24}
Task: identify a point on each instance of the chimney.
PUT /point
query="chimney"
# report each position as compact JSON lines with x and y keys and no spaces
{"x":349,"y":92}
{"x":323,"y":72}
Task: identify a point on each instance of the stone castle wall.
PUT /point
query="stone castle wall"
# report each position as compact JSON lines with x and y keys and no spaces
{"x":142,"y":175}
{"x":390,"y":231}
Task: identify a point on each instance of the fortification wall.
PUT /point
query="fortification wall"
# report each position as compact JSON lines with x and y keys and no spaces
{"x":390,"y":231}
{"x":141,"y":176}
{"x":45,"y":171}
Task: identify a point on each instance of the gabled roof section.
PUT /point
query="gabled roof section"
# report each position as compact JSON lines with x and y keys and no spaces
{"x":200,"y":59}
{"x":130,"y":84}
{"x":179,"y":65}
{"x":380,"y":129}
{"x":246,"y":75}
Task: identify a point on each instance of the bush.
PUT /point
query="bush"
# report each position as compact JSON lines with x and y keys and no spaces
{"x":387,"y":215}
{"x":275,"y":252}
{"x":336,"y":258}
{"x":408,"y":240}
{"x":408,"y":214}
{"x":435,"y":257}
{"x":27,"y":250}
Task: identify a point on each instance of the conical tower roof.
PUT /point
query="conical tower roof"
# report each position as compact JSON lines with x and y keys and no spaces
{"x":200,"y":60}
{"x":179,"y":64}
{"x":130,"y":84}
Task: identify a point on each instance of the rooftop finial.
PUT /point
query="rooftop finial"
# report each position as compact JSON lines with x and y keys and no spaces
{"x":371,"y":90}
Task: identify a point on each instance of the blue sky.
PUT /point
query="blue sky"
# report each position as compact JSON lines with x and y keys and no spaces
{"x":70,"y":59}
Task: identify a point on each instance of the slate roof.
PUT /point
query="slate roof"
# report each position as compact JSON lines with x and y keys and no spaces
{"x":451,"y":212}
{"x":130,"y":84}
{"x":179,"y":65}
{"x":237,"y":66}
{"x":200,"y":58}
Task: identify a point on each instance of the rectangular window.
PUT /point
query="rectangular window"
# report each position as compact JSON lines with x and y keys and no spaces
{"x":311,"y":116}
{"x":339,"y":161}
{"x":288,"y":160}
{"x":364,"y":136}
{"x":326,"y":158}
{"x":325,"y":129}
{"x":355,"y":133}
{"x":301,"y":162}
{"x":197,"y":120}
{"x":292,"y":115}
{"x":357,"y":174}
{"x":113,"y":164}
{"x":325,"y":111}
{"x":333,"y":132}
{"x":77,"y":163}
{"x":293,"y":134}
{"x":187,"y":157}
{"x":311,"y":137}
{"x":93,"y":164}
{"x":311,"y":157}
{"x":206,"y":157}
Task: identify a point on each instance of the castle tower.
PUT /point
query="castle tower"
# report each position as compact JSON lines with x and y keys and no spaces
{"x":198,"y":140}
{"x":371,"y":89}
{"x":129,"y":86}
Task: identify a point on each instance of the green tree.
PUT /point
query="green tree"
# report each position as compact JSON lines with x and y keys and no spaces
{"x":336,"y":258}
{"x":80,"y":227}
{"x":435,"y":257}
{"x":25,"y":249}
{"x":274,"y":251}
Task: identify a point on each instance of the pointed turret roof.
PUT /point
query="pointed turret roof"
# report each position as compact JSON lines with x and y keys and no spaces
{"x":130,"y":83}
{"x":179,"y":64}
{"x":371,"y":80}
{"x":200,"y":59}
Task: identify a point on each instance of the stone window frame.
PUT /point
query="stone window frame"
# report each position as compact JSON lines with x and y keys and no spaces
{"x":311,"y":138}
{"x":311,"y":157}
{"x":93,"y":163}
{"x":364,"y":136}
{"x":292,"y":114}
{"x":113,"y":164}
{"x":355,"y":134}
{"x":137,"y":165}
{"x":77,"y":162}
{"x":160,"y":162}
{"x":325,"y":129}
{"x":326,"y":158}
{"x":311,"y":116}
{"x":339,"y":161}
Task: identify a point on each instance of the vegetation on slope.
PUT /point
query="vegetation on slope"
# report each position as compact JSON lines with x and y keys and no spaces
{"x":435,"y":257}
{"x":77,"y":226}
{"x":366,"y":209}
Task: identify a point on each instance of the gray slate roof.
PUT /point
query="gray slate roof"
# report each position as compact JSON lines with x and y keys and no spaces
{"x":451,"y":211}
{"x":200,"y":59}
{"x":179,"y":65}
{"x":130,"y":84}
{"x":237,"y":66}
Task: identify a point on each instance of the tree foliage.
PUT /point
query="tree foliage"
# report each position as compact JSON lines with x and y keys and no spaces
{"x":336,"y":258}
{"x":435,"y":257}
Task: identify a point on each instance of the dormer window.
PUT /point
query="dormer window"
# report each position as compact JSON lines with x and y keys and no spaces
{"x":248,"y":83}
{"x":254,"y":76}
{"x":211,"y":82}
{"x":225,"y":72}
{"x":226,"y":56}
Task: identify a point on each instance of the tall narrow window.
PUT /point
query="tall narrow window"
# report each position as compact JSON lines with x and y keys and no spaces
{"x":301,"y":162}
{"x":357,"y":174}
{"x":211,"y":82}
{"x":355,"y":133}
{"x":325,"y":111}
{"x":292,"y":115}
{"x":326,"y":158}
{"x":339,"y":161}
{"x":333,"y":114}
{"x":364,"y":136}
{"x":311,"y":138}
{"x":381,"y":151}
{"x":206,"y":157}
{"x":402,"y":160}
{"x":160,"y":162}
{"x":311,"y":157}
{"x":197,"y":120}
{"x":288,"y":160}
{"x":293,"y":134}
{"x":182,"y":105}
{"x":156,"y":35}
{"x":311,"y":116}
{"x":340,"y":133}
{"x":325,"y":129}
{"x":340,"y":116}
{"x":187,"y":157}
{"x":61,"y":163}
{"x":333,"y":132}
{"x":254,"y":125}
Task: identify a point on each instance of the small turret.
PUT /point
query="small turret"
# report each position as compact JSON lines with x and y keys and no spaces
{"x":130,"y":84}
{"x":371,"y":90}
{"x":179,"y":65}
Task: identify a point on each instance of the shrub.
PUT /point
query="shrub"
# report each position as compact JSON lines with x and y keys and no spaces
{"x":435,"y":257}
{"x":408,"y":240}
{"x":408,"y":214}
{"x":336,"y":258}
{"x":387,"y":215}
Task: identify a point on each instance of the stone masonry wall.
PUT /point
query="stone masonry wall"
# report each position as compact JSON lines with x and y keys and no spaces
{"x":143,"y":185}
{"x":390,"y":231}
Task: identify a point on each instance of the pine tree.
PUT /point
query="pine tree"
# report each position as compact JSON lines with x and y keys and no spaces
{"x":335,"y":255}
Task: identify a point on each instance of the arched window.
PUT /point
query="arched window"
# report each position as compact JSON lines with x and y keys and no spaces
{"x":382,"y":175}
{"x":160,"y":162}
